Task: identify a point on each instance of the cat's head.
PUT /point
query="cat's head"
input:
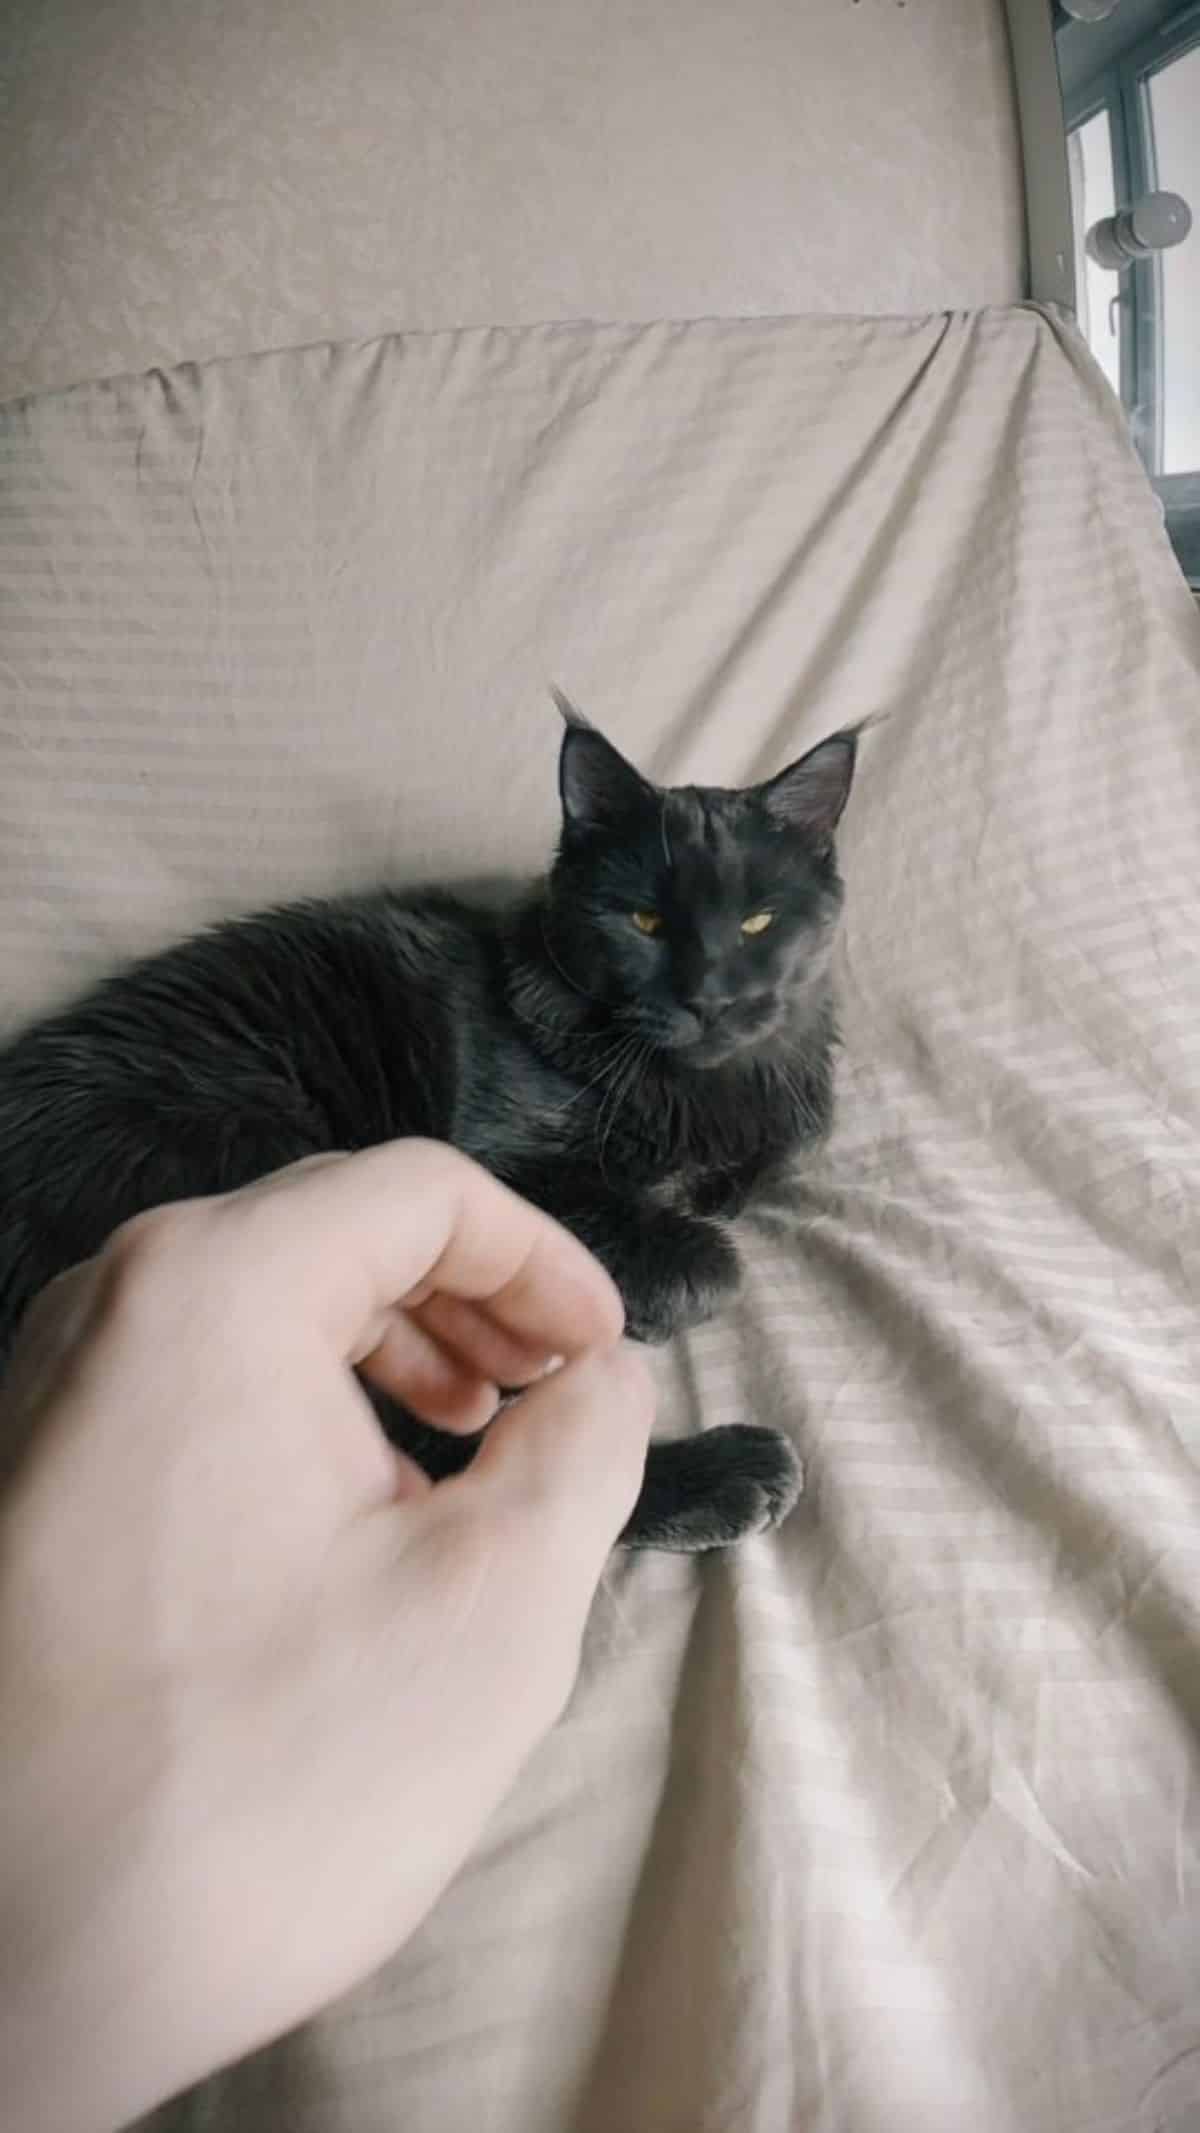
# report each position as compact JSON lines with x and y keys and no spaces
{"x":702,"y":918}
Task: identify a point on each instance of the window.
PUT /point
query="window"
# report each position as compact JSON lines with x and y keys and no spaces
{"x":1173,"y":95}
{"x":1134,"y":127}
{"x":1090,"y":165}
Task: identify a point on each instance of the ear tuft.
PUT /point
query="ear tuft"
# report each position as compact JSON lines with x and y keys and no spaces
{"x":598,"y":788}
{"x":567,"y":711}
{"x":809,"y":795}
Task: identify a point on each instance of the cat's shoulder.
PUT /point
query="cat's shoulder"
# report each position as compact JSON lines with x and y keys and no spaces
{"x":388,"y":917}
{"x":434,"y":918}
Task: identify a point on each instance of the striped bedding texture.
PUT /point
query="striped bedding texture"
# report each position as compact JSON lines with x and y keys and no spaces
{"x":888,"y":1822}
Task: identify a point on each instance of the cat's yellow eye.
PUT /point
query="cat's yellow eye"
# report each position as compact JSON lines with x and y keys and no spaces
{"x":647,"y":921}
{"x":757,"y":922}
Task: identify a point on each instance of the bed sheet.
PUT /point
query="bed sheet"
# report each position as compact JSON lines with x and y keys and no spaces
{"x":888,"y":1822}
{"x":181,"y":181}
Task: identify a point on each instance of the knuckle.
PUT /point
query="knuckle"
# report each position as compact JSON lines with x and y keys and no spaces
{"x":139,"y":1245}
{"x":421,"y":1149}
{"x":143,"y":1264}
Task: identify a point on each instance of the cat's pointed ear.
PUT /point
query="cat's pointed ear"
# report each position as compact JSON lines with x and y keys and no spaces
{"x":809,"y":795}
{"x":598,"y":788}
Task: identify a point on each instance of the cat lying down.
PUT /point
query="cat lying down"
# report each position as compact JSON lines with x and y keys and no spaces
{"x":636,"y":1045}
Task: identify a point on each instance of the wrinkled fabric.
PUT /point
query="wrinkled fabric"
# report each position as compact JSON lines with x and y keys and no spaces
{"x":887,"y":1822}
{"x":195,"y":181}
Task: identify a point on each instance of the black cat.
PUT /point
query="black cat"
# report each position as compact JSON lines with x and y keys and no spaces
{"x":634,"y":1045}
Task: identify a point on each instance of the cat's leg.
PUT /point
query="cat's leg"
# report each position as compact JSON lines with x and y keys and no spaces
{"x":673,"y":1270}
{"x":724,"y":1193}
{"x":715,"y":1488}
{"x":698,"y":1492}
{"x":438,"y":1452}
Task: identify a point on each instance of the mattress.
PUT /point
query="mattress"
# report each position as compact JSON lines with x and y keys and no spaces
{"x":888,"y":1822}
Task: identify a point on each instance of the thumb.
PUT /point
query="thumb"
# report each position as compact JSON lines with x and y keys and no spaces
{"x":566,"y":1460}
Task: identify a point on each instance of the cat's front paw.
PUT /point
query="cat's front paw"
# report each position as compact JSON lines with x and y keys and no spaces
{"x":711,"y":1490}
{"x":723,"y":1194}
{"x":684,"y":1273}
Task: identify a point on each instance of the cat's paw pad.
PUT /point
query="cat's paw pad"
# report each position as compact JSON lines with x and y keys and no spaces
{"x":712,"y":1490}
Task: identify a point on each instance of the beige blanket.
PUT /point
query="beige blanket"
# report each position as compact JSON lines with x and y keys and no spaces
{"x":889,"y":1823}
{"x":199,"y":177}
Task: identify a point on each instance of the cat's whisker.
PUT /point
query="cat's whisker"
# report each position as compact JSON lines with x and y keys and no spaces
{"x":641,"y":1065}
{"x":616,"y":1070}
{"x":604,"y":1068}
{"x":612,"y":1102}
{"x":782,"y":1075}
{"x":625,"y":1082}
{"x":528,"y":1021}
{"x":800,"y":1097}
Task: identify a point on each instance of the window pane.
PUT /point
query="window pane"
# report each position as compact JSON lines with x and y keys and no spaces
{"x":1175,"y":115}
{"x":1091,"y":167}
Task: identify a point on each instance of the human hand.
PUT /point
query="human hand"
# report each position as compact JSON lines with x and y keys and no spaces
{"x":261,"y":1685}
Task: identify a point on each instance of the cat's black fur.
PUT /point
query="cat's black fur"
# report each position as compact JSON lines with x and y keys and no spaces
{"x":637,"y":1086}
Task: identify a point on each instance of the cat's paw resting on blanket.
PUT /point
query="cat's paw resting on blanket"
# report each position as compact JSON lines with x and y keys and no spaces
{"x":706,"y":1491}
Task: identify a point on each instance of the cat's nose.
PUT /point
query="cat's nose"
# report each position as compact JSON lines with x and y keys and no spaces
{"x":706,"y":1006}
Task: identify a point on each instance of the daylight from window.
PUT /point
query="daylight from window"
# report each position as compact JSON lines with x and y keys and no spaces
{"x":1174,"y":98}
{"x":1091,"y":169}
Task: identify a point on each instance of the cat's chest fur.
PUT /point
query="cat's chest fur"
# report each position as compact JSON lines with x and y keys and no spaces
{"x":607,"y":1108}
{"x":616,"y":1108}
{"x":513,"y":1107}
